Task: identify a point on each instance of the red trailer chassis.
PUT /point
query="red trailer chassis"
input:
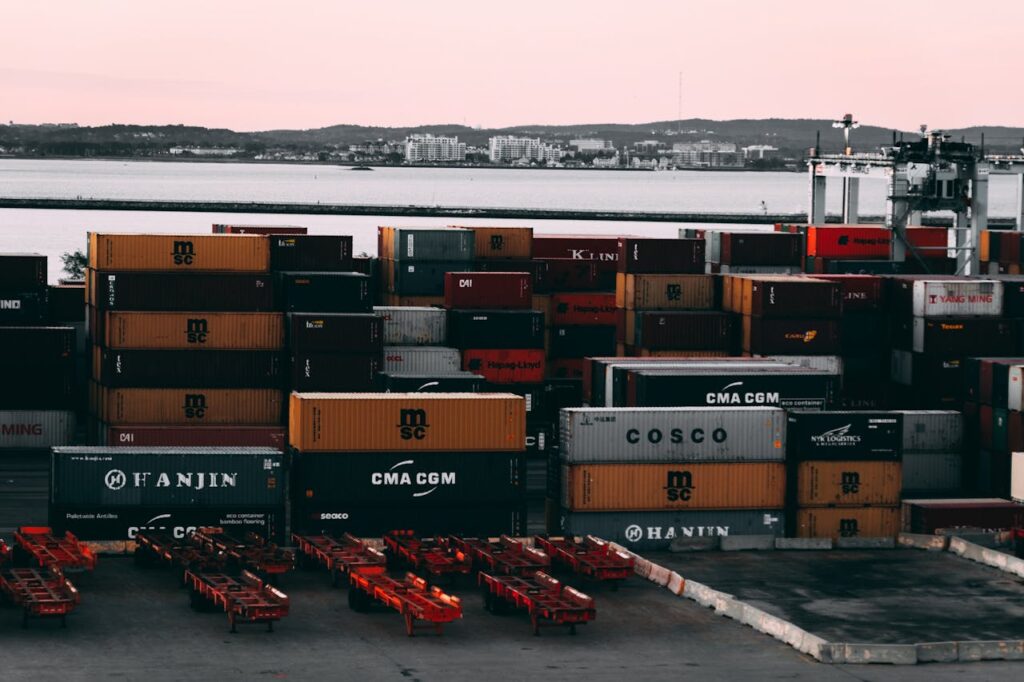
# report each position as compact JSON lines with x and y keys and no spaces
{"x":341,"y":556}
{"x":43,"y":593}
{"x":65,"y":553}
{"x":427,"y":554}
{"x":548,"y":601}
{"x":177,"y":553}
{"x":505,"y":556}
{"x":246,"y":599}
{"x":589,"y":557}
{"x":255,"y":553}
{"x":412,"y":598}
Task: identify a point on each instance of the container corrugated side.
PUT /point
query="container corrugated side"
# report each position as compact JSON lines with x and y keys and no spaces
{"x":846,"y":484}
{"x":650,"y":531}
{"x":36,"y":429}
{"x":623,"y":487}
{"x":187,"y":406}
{"x":422,"y":360}
{"x":854,"y":522}
{"x":664,"y":292}
{"x":413,"y":326}
{"x":115,"y":524}
{"x":947,"y":298}
{"x":196,"y":436}
{"x":932,"y":472}
{"x":362,"y":422}
{"x":932,"y":431}
{"x":697,"y":434}
{"x":195,"y":330}
{"x":179,"y":252}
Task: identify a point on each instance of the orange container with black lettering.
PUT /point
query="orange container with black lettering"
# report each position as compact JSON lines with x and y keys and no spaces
{"x":186,"y":406}
{"x":849,"y":483}
{"x":194,"y":331}
{"x":235,"y":253}
{"x":854,"y":522}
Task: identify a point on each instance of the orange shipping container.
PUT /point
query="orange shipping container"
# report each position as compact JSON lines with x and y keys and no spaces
{"x":235,"y":253}
{"x":849,"y":483}
{"x":185,"y":406}
{"x":363,"y":422}
{"x":651,"y":487}
{"x":852,"y":522}
{"x":501,"y":242}
{"x":195,"y":331}
{"x":664,"y":292}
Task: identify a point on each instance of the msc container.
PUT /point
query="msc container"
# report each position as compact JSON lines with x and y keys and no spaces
{"x":948,"y":297}
{"x":654,"y":256}
{"x":180,"y":406}
{"x":495,"y":329}
{"x":214,"y":291}
{"x":335,"y":332}
{"x":638,"y":487}
{"x":325,"y":292}
{"x":932,"y":431}
{"x":848,"y":484}
{"x":853,"y":522}
{"x":582,"y":341}
{"x":490,"y":520}
{"x":849,"y":242}
{"x":456,"y":382}
{"x":66,"y":303}
{"x":665,"y":292}
{"x":178,"y":252}
{"x":427,"y":479}
{"x":680,"y":330}
{"x":117,"y":524}
{"x":755,"y":248}
{"x":586,"y":247}
{"x":766,"y":336}
{"x":23,"y":308}
{"x":345,"y":372}
{"x":181,"y":368}
{"x":219,"y":228}
{"x":358,"y":422}
{"x":422,"y":360}
{"x":426,"y":244}
{"x":844,"y":435}
{"x":194,"y":331}
{"x":788,"y":387}
{"x":36,"y":429}
{"x":654,"y":531}
{"x":505,"y":366}
{"x":196,"y":436}
{"x":420,"y":278}
{"x":22,"y":271}
{"x":964,"y":336}
{"x":787,"y":297}
{"x":488,"y":290}
{"x":693,"y":434}
{"x":928,"y":516}
{"x":413,"y":326}
{"x":318,"y":253}
{"x":499,"y":243}
{"x":925,"y":472}
{"x":135,"y":476}
{"x":582,"y":309}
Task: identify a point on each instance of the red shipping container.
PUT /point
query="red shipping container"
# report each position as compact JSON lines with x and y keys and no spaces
{"x":1009,"y":247}
{"x":565,"y":274}
{"x":660,"y":256}
{"x":849,"y":242}
{"x":583,"y":309}
{"x":577,"y":247}
{"x":488,"y":290}
{"x":258,"y":229}
{"x":860,"y":292}
{"x":196,"y":436}
{"x":566,"y":368}
{"x":985,"y":422}
{"x":507,"y":366}
{"x":931,"y":242}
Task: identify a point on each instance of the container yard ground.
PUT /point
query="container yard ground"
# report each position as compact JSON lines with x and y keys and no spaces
{"x":879,"y":596}
{"x":135,"y":623}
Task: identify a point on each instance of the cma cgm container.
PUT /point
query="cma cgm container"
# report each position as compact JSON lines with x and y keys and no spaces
{"x":849,"y":483}
{"x":658,"y":434}
{"x":181,"y":368}
{"x":363,"y":422}
{"x":500,"y":243}
{"x":788,"y":387}
{"x":456,"y":382}
{"x":36,"y":429}
{"x":684,"y":485}
{"x":665,"y":292}
{"x":505,"y":366}
{"x":178,"y":252}
{"x":425,"y":244}
{"x":324,"y":253}
{"x":335,"y":372}
{"x":335,"y":332}
{"x":495,"y":290}
{"x":413,"y":326}
{"x":496,"y":329}
{"x":611,"y":383}
{"x":422,"y":359}
{"x":194,"y":331}
{"x":184,"y":406}
{"x":947,"y":297}
{"x":325,"y":292}
{"x":845,"y":435}
{"x":654,"y":256}
{"x":641,"y":531}
{"x":211,"y":291}
{"x":852,"y":522}
{"x":22,"y":271}
{"x":196,"y":436}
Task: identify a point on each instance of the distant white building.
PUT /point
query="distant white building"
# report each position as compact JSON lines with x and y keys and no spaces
{"x":760,"y":151}
{"x":506,"y":148}
{"x":647,"y":147}
{"x":588,"y":144}
{"x":204,"y":151}
{"x":609,"y":162}
{"x":419,"y":148}
{"x":706,"y":154}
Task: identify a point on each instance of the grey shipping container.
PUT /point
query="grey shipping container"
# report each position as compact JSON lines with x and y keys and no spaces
{"x":422,"y":360}
{"x":111,"y":524}
{"x":36,"y":429}
{"x":413,"y":326}
{"x":647,"y":531}
{"x":833,"y":364}
{"x":925,"y":472}
{"x":671,"y":434}
{"x":932,"y":431}
{"x":166,"y":477}
{"x":412,"y":244}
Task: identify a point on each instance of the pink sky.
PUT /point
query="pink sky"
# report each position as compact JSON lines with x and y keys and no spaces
{"x":257,"y":65}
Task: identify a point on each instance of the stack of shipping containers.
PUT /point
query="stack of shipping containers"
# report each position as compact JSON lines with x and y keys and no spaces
{"x":933,"y":463}
{"x":415,"y":260}
{"x":765,"y":253}
{"x":993,"y":390}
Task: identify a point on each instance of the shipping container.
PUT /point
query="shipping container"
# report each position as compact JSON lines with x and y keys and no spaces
{"x":767,"y":336}
{"x":219,"y":228}
{"x":585,"y":247}
{"x":413,"y":326}
{"x":832,"y":364}
{"x":928,"y":516}
{"x":658,"y":256}
{"x":932,"y":431}
{"x":928,"y":243}
{"x":195,"y":436}
{"x":665,"y":292}
{"x":539,"y":441}
{"x":500,"y":243}
{"x":692,"y":434}
{"x":755,"y":248}
{"x":946,"y":297}
{"x":565,"y":274}
{"x":681,"y":329}
{"x":582,"y":309}
{"x":565,"y":368}
{"x":23,"y":308}
{"x":943,"y":375}
{"x":41,"y":345}
{"x":345,"y":372}
{"x":490,"y":520}
{"x":66,"y":303}
{"x":335,"y":332}
{"x":315,"y":253}
{"x":932,"y":472}
{"x":1013,"y":294}
{"x":421,"y":480}
{"x":117,"y":524}
{"x":420,"y":278}
{"x":754,"y":269}
{"x":853,"y":522}
{"x":194,"y":331}
{"x":456,"y":382}
{"x":178,"y":252}
{"x":426,"y":244}
{"x":844,"y":435}
{"x":169,"y":291}
{"x":36,"y":429}
{"x":788,"y":387}
{"x":582,"y":341}
{"x":656,"y":531}
{"x":505,"y":366}
{"x":608,"y":378}
{"x":22,"y":272}
{"x":182,"y":406}
{"x":322,"y":422}
{"x":1017,"y":476}
{"x":859,"y":292}
{"x":684,"y":485}
{"x":837,"y":483}
{"x":849,"y":242}
{"x":1015,"y":387}
{"x":495,"y":329}
{"x":964,"y":336}
{"x":785,"y":297}
{"x":183,"y":368}
{"x":38,"y":387}
{"x":422,"y":359}
{"x":488,"y":290}
{"x":325,"y":292}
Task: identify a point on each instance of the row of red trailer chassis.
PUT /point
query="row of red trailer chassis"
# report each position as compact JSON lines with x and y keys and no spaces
{"x":41,"y":589}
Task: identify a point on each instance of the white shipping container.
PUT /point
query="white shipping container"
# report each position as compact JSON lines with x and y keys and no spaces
{"x":36,"y":429}
{"x":932,"y":430}
{"x":1015,"y":387}
{"x":1017,"y":477}
{"x":413,"y":326}
{"x":726,"y":269}
{"x":949,"y":298}
{"x":833,"y":364}
{"x":932,"y":472}
{"x":673,"y":434}
{"x":434,"y":360}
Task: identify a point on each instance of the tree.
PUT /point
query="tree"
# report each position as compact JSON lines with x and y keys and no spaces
{"x":75,"y":264}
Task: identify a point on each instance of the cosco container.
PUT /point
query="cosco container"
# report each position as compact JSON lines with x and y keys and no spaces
{"x":665,"y":292}
{"x":22,"y":271}
{"x":582,"y":309}
{"x":844,"y":435}
{"x":194,"y":331}
{"x":413,"y":326}
{"x":426,"y":244}
{"x":837,"y":483}
{"x":323,"y":253}
{"x":685,"y":485}
{"x":168,"y":291}
{"x":505,"y":366}
{"x":495,"y":329}
{"x":456,"y":382}
{"x":655,"y":256}
{"x":491,"y":520}
{"x":325,"y":292}
{"x":659,"y":434}
{"x":788,"y":387}
{"x":657,"y":530}
{"x":36,"y":429}
{"x":852,"y":522}
{"x":179,"y":252}
{"x":196,"y":436}
{"x":680,"y":330}
{"x":767,"y":336}
{"x":928,"y":516}
{"x":183,"y":406}
{"x":932,"y":431}
{"x":23,"y":308}
{"x":493,"y":290}
{"x":499,"y":243}
{"x":362,"y":422}
{"x":335,"y":332}
{"x":947,"y":297}
{"x":930,"y":472}
{"x":182,"y":368}
{"x":420,"y":278}
{"x":345,"y":372}
{"x":422,"y":359}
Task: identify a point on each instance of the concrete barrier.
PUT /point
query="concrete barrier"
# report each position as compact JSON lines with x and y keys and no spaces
{"x":989,"y":557}
{"x":865,"y":543}
{"x":895,"y":654}
{"x":932,"y":543}
{"x":938,"y":652}
{"x":736,"y":543}
{"x":803,"y":543}
{"x":695,"y":544}
{"x":1006,"y":650}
